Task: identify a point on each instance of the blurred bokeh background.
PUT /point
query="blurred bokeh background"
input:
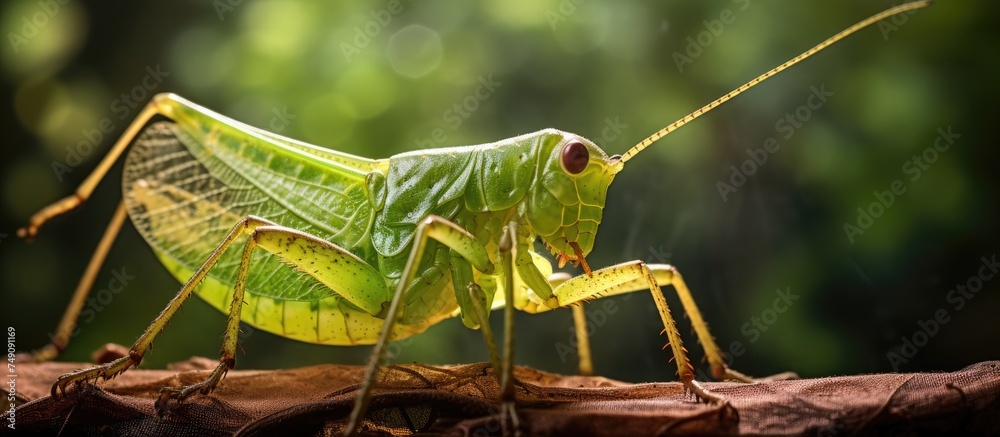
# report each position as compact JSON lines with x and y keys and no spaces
{"x":378,"y":78}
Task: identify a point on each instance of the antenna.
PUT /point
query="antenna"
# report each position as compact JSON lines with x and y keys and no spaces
{"x":844,"y":33}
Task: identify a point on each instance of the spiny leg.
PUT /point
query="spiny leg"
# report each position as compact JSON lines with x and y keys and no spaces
{"x":716,"y":359}
{"x":632,"y":273}
{"x":158,"y":105}
{"x":134,"y":357}
{"x":341,"y":271}
{"x":165,"y":104}
{"x":64,"y":330}
{"x":668,"y":275}
{"x":447,"y":233}
{"x":227,"y":356}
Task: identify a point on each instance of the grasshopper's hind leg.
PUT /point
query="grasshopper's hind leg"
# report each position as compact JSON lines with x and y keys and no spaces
{"x":139,"y":348}
{"x":504,"y":366}
{"x":312,"y":255}
{"x":64,"y":331}
{"x":341,"y":271}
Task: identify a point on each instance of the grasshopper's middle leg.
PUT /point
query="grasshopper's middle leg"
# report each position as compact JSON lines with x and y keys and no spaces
{"x":456,"y":239}
{"x":503,"y":366}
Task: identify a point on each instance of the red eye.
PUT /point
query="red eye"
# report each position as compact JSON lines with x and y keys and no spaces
{"x":575,"y":157}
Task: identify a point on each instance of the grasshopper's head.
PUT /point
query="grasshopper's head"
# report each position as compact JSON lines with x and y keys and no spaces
{"x":566,"y":200}
{"x":567,"y":197}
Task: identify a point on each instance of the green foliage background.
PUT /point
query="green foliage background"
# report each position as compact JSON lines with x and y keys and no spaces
{"x":573,"y":67}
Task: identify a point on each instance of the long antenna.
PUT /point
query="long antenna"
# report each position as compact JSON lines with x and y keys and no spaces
{"x":687,"y":118}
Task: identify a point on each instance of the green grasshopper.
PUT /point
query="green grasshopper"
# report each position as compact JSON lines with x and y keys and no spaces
{"x":343,"y":250}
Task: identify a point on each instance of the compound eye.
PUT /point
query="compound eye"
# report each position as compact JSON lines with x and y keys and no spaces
{"x":575,"y":157}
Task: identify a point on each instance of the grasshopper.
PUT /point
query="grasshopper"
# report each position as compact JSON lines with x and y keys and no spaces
{"x":343,"y":250}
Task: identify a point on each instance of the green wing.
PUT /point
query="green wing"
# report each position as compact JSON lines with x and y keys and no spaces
{"x":185,"y":187}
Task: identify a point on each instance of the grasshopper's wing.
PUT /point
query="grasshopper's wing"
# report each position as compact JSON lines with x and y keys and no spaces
{"x":186,"y":187}
{"x":346,"y":159}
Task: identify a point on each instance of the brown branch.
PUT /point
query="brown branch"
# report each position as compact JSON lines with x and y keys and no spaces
{"x":462,"y":400}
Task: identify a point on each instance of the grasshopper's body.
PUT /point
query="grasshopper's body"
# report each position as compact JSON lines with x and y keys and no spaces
{"x":187,"y":182}
{"x":339,"y":249}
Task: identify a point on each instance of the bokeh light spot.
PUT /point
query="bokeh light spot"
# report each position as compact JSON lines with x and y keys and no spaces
{"x":415,"y":51}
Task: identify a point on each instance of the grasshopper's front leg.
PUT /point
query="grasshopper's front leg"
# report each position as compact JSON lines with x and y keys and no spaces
{"x":665,"y":275}
{"x":630,"y":274}
{"x":637,"y":275}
